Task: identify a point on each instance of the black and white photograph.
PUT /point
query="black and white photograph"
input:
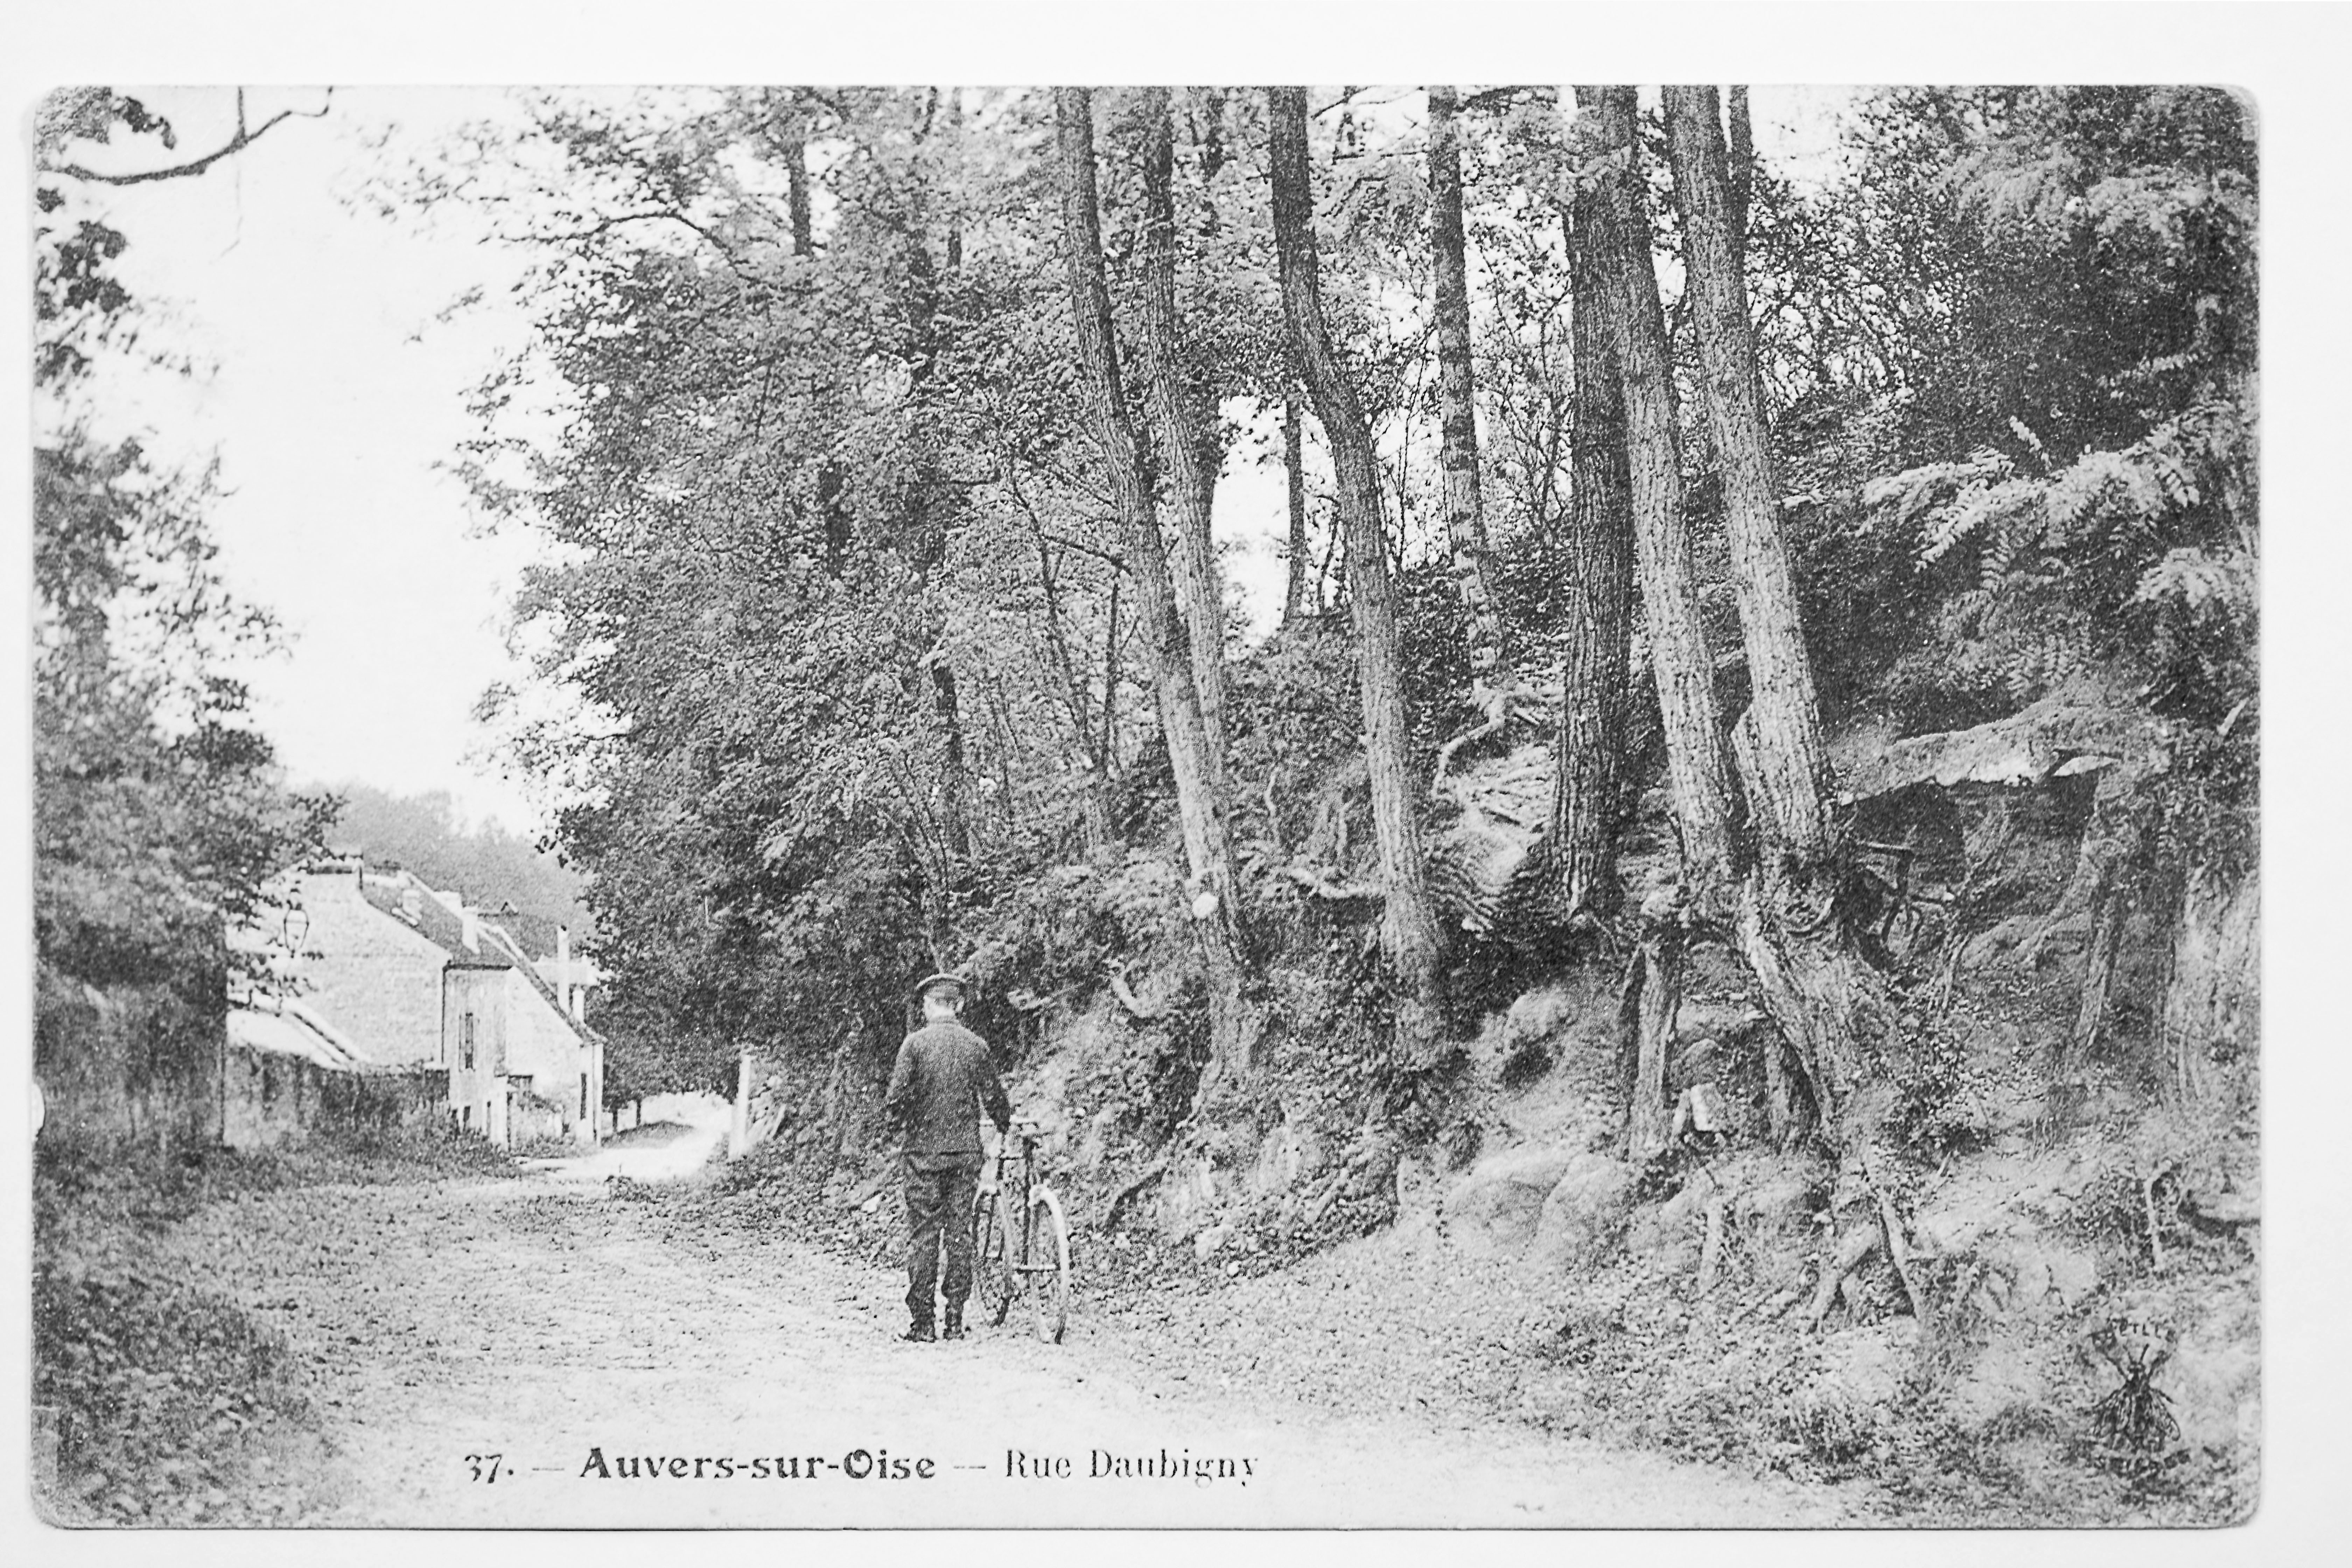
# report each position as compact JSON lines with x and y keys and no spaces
{"x":901,"y":806}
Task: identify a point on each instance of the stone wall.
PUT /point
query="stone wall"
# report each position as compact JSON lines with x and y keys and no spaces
{"x":270,"y":1098}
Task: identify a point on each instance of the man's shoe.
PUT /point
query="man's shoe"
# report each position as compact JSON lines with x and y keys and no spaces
{"x":955,"y":1326}
{"x":920,"y":1333}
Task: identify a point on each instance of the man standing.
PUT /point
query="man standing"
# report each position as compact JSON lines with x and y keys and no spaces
{"x":942,"y":1081}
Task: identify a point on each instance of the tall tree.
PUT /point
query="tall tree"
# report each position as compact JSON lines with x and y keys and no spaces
{"x":1830,"y":1007}
{"x":1457,"y":452}
{"x":1597,"y":609}
{"x":926,"y":519}
{"x":1200,"y":806}
{"x":1409,"y":922}
{"x":1680,"y":661}
{"x":1178,"y":428}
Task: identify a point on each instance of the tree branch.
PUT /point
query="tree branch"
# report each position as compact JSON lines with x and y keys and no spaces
{"x":236,"y":143}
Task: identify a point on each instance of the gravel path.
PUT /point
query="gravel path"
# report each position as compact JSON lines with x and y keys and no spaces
{"x":581,"y":1337}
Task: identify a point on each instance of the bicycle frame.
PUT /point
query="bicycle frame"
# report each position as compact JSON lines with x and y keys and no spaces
{"x":1019,"y":1197}
{"x":1024,"y":1238}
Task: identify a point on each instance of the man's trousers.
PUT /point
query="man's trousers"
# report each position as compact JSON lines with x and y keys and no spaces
{"x":939,"y":1193}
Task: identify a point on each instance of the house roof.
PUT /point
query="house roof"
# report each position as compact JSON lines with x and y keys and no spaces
{"x":535,"y":934}
{"x":496,"y":934}
{"x":434,"y":920}
{"x":497,"y":946}
{"x":293,"y":1030}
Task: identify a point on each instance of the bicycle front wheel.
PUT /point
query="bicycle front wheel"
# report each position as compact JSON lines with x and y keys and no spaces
{"x":1049,"y":1266}
{"x":991,"y":1257}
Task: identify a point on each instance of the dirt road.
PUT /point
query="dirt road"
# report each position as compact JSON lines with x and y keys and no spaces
{"x":619,"y":1368}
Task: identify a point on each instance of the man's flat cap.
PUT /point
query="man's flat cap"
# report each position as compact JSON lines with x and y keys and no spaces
{"x":943,"y":981}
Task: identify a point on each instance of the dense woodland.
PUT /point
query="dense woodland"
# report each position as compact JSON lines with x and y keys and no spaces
{"x":1832,"y":587}
{"x":890,"y":423}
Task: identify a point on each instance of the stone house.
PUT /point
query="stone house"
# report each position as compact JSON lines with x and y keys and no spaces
{"x":409,"y":975}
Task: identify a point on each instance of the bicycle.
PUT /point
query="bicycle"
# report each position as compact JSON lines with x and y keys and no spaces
{"x":1021,"y":1244}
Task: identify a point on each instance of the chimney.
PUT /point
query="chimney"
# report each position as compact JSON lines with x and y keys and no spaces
{"x":412,"y":903}
{"x":470,"y":925}
{"x":563,"y":997}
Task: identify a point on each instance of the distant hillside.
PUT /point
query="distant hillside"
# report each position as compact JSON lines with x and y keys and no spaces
{"x":489,"y":865}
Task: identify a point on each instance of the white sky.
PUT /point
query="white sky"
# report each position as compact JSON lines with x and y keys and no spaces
{"x":332,"y":395}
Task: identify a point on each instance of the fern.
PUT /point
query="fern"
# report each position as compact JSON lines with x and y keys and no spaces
{"x":1982,"y":506}
{"x":2204,"y":587}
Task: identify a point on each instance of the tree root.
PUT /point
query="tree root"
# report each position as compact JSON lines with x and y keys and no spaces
{"x":1127,"y":999}
{"x":1127,"y":1194}
{"x":1851,"y":1255}
{"x":1899,"y":1255}
{"x":1710,"y":1251}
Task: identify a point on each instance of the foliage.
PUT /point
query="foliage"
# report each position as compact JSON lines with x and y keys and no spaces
{"x":491,"y":865}
{"x":835,"y":584}
{"x":836,"y":587}
{"x":159,"y":813}
{"x":159,"y":1388}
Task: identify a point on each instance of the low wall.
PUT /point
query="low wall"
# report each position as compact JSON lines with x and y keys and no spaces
{"x":271,"y":1098}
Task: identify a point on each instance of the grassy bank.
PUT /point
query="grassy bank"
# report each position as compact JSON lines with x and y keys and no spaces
{"x":158,"y":1402}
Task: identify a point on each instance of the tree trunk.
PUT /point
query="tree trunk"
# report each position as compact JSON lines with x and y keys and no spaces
{"x":1598,"y":579}
{"x":1200,"y":808}
{"x":2108,"y":909}
{"x":1177,"y":430}
{"x":1300,"y":560}
{"x":1408,"y":926}
{"x":832,"y":510}
{"x":2101,"y":888}
{"x":1743,"y":175}
{"x":1832,"y":1007}
{"x":923,"y":521}
{"x":1652,"y":1018}
{"x":1457,"y":452}
{"x":1094,"y":798}
{"x":796,"y":175}
{"x":1110,"y":680}
{"x":1680,"y":661}
{"x":2212,"y":1005}
{"x":1681,"y":665}
{"x":1791,"y":810}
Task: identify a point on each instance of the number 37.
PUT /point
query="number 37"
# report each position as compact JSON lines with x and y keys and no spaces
{"x":485,"y":1467}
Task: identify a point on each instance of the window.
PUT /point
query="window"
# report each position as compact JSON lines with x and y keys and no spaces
{"x":466,"y":1042}
{"x":583,"y":1097}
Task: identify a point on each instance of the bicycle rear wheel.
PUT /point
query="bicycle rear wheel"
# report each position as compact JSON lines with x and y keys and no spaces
{"x":1048,"y":1272}
{"x":991,"y":1257}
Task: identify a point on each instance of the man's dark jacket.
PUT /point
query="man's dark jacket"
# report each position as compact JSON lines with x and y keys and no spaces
{"x":942,"y":1082}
